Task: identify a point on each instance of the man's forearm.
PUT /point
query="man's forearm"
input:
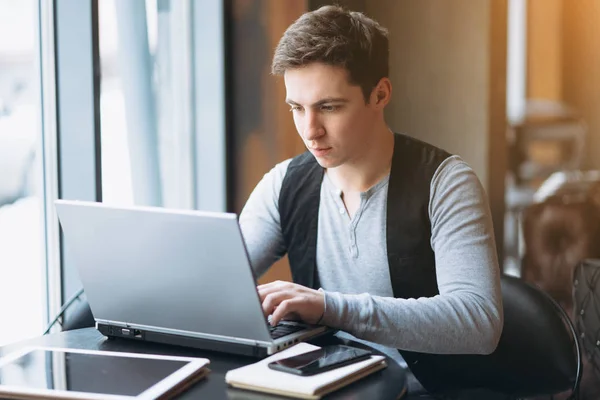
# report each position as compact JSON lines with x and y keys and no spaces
{"x":457,"y":323}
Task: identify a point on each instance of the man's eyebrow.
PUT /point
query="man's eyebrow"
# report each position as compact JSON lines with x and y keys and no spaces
{"x":320,"y":102}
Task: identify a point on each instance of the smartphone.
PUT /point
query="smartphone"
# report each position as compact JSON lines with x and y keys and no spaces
{"x":321,"y":360}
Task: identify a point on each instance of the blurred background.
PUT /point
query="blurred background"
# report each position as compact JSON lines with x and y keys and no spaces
{"x":171,"y":103}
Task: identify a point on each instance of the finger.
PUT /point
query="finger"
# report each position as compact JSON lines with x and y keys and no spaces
{"x":288,"y":306}
{"x":273,"y":287}
{"x":263,"y":293}
{"x":272,"y":301}
{"x":273,"y":283}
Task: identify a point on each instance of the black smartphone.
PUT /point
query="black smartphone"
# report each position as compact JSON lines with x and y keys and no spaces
{"x":321,"y":360}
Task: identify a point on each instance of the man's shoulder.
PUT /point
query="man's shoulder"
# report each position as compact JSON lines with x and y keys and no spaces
{"x":454,"y":179}
{"x":303,"y":169}
{"x":276,"y":176}
{"x":278,"y":172}
{"x":452,"y":168}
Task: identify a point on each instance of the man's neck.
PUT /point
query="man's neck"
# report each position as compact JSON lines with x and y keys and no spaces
{"x":362,"y":174}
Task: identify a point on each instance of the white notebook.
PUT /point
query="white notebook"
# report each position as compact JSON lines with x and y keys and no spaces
{"x":259,"y":377}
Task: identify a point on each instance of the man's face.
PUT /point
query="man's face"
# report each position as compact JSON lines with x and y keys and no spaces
{"x":331,"y":115}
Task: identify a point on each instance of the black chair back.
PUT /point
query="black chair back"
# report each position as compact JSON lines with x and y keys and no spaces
{"x":538,"y":353}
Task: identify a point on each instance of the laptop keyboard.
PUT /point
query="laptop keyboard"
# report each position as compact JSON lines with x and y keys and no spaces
{"x":280,"y":330}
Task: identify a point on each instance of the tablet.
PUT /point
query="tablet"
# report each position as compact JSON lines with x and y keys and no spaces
{"x":56,"y":373}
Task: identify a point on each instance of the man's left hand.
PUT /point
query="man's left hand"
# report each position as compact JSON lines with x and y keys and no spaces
{"x":284,"y":299}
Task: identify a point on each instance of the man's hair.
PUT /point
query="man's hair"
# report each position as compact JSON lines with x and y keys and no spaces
{"x":336,"y":37}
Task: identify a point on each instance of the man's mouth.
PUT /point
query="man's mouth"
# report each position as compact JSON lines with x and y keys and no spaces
{"x":320,"y":151}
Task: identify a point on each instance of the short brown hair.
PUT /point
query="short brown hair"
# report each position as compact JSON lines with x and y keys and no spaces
{"x":337,"y":37}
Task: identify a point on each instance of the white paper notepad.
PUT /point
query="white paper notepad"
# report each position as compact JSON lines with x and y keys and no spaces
{"x":259,"y":377}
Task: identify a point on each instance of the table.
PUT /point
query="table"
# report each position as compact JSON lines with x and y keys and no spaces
{"x":389,"y":383}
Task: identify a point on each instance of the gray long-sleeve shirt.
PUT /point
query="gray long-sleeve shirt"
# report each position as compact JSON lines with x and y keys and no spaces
{"x":465,"y":318}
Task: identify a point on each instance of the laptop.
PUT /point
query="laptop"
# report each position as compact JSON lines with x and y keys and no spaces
{"x":172,"y":276}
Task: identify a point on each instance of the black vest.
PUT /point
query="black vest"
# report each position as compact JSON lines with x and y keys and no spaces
{"x":408,"y":234}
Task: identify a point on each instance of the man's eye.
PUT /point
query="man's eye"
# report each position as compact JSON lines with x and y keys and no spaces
{"x":295,"y":108}
{"x":329,"y":108}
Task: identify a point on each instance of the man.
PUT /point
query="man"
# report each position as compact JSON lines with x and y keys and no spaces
{"x":389,"y":239}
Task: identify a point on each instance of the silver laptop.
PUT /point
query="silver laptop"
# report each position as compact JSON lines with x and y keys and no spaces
{"x":172,"y":276}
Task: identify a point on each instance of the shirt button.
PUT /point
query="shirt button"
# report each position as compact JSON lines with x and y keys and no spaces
{"x":342,"y":211}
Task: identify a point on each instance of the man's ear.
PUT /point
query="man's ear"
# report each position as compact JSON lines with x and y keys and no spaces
{"x":383,"y":92}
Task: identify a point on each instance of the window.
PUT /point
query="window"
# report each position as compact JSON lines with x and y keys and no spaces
{"x":146,"y":103}
{"x":22,"y":257}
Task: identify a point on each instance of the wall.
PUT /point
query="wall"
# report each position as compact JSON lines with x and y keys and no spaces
{"x":564,"y":60}
{"x":439,"y":68}
{"x":580,"y":66}
{"x":544,"y":49}
{"x":354,"y":5}
{"x":448,"y":70}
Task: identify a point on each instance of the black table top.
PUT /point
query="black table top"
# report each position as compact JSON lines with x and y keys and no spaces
{"x":389,"y":383}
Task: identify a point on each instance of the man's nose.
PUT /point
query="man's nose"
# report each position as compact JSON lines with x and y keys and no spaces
{"x":313,"y":128}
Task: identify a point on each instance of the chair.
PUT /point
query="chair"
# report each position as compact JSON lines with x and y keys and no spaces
{"x":538,"y":353}
{"x":539,"y":336}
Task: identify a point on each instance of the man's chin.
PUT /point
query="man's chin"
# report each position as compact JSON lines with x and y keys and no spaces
{"x":326,"y":162}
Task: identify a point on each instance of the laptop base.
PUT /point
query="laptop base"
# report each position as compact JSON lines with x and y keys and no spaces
{"x":178,"y":340}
